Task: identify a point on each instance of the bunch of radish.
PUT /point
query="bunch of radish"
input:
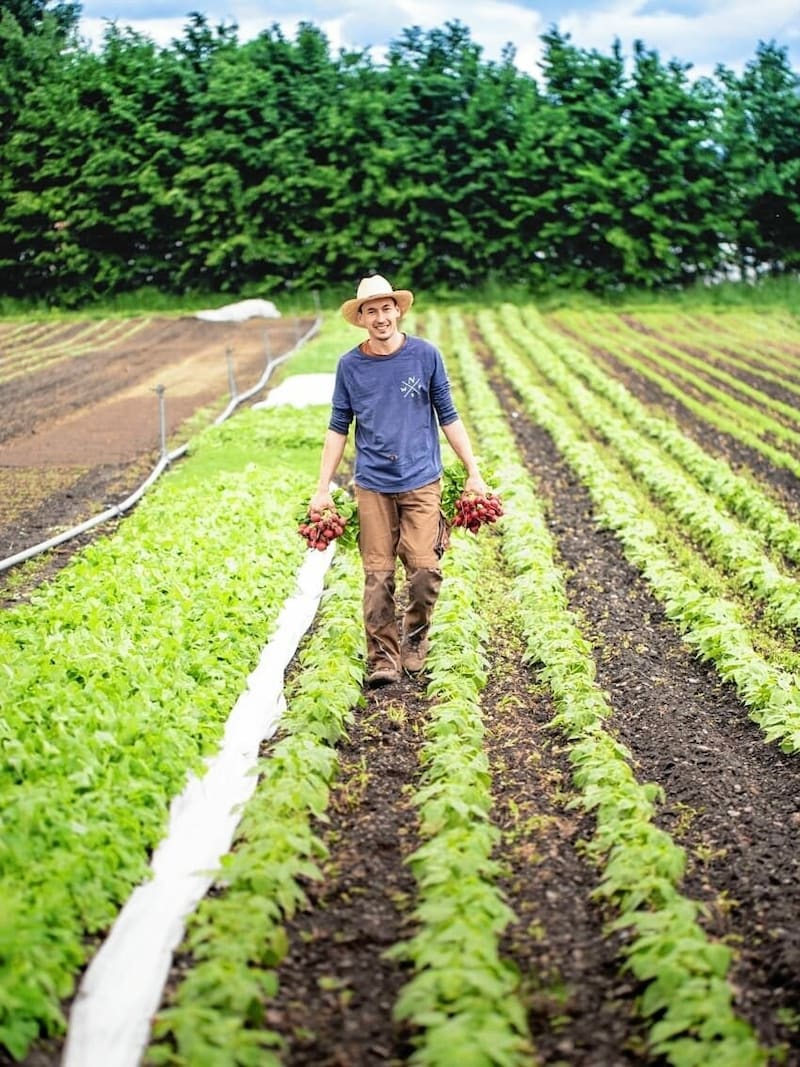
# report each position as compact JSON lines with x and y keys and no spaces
{"x":474,"y":510}
{"x":320,"y":528}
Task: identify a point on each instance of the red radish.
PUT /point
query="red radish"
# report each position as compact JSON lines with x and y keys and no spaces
{"x":320,"y":528}
{"x":473,"y":510}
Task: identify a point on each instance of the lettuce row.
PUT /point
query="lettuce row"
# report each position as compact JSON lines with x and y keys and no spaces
{"x":116,"y":682}
{"x":237,"y":938}
{"x":685,"y":991}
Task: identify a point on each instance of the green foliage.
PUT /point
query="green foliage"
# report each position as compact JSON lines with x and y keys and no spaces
{"x":463,"y":996}
{"x":116,"y":682}
{"x":214,"y":166}
{"x":686,"y":994}
{"x":709,"y":622}
{"x":36,"y":16}
{"x":236,"y":938}
{"x":760,"y":129}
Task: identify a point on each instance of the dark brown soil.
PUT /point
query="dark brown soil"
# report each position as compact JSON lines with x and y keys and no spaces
{"x":580,"y":1006}
{"x":357,"y":912}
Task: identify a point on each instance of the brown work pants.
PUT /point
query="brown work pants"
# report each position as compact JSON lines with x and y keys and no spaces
{"x":409,"y":527}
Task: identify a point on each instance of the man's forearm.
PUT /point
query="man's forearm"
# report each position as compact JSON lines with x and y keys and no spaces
{"x":332,"y":452}
{"x":459,"y":441}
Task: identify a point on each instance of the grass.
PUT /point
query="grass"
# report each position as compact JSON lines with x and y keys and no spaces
{"x":150,"y":301}
{"x":780,"y":292}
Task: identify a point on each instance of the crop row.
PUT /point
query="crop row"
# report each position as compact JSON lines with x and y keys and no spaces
{"x":767,"y":340}
{"x":738,"y":549}
{"x":709,"y":623}
{"x":33,"y":347}
{"x":742,"y":421}
{"x":119,"y":675}
{"x":686,"y":992}
{"x":464,"y":997}
{"x":682,"y":365}
{"x":116,"y":682}
{"x":740,"y":495}
{"x":750,"y":363}
{"x":739,"y":340}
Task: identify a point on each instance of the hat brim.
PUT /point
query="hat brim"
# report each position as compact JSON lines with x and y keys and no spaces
{"x":350,"y":308}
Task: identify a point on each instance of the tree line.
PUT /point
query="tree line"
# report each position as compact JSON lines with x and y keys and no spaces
{"x":215,"y":165}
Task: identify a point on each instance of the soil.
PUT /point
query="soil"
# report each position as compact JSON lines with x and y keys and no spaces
{"x":739,"y":456}
{"x":732,"y":802}
{"x":82,"y":431}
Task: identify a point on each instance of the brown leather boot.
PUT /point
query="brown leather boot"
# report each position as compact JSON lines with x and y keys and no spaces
{"x":413,"y":652}
{"x":382,"y":674}
{"x":423,"y":590}
{"x":380,"y":626}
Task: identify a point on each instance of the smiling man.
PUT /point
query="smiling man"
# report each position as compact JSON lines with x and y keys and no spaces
{"x":394,"y":386}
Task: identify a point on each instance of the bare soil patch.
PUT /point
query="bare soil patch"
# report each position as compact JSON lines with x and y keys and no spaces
{"x":81,"y":432}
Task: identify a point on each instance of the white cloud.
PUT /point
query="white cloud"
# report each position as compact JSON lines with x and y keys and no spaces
{"x":724,"y":33}
{"x":701,"y":32}
{"x":492,"y":25}
{"x":161,"y":30}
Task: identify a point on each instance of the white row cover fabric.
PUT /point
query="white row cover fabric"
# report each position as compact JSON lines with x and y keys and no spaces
{"x":300,"y":390}
{"x":240,"y":311}
{"x":110,"y":1020}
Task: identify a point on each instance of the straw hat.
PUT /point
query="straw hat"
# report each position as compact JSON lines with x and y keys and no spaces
{"x":373,"y":288}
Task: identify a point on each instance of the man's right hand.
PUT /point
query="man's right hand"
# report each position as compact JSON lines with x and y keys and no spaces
{"x":321,"y":500}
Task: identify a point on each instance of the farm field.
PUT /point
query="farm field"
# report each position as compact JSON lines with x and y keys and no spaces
{"x":576,"y":840}
{"x":82,"y":425}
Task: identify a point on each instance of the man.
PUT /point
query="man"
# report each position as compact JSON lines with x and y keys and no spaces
{"x":395,"y":387}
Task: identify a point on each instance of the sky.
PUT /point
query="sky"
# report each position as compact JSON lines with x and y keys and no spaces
{"x":702,"y":33}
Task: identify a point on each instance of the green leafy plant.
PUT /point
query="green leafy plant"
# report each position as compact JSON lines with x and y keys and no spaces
{"x":690,"y":1001}
{"x":237,"y":939}
{"x":117,"y":680}
{"x":463,"y":997}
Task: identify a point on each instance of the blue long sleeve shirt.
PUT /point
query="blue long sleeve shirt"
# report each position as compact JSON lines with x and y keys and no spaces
{"x":398,"y":403}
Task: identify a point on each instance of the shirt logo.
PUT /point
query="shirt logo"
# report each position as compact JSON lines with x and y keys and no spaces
{"x":411,"y":387}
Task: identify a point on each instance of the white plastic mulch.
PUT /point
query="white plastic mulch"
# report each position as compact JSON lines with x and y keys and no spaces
{"x":241,"y":310}
{"x":111,"y":1015}
{"x":300,"y":390}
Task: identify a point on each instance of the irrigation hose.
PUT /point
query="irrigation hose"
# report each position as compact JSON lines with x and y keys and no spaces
{"x":117,"y":510}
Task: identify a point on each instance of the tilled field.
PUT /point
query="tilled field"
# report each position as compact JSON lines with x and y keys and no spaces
{"x":728,"y":798}
{"x":82,"y":425}
{"x":731,"y":801}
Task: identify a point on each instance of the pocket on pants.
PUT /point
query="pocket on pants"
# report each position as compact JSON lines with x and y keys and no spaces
{"x":442,"y":537}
